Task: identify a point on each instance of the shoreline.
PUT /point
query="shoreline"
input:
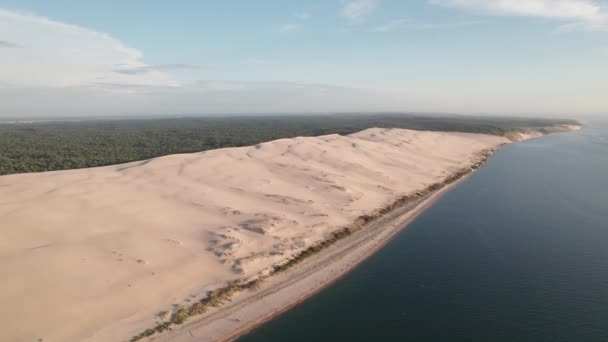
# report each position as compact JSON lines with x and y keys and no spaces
{"x":420,"y":209}
{"x":216,"y":325}
{"x":245,"y":316}
{"x":204,"y":246}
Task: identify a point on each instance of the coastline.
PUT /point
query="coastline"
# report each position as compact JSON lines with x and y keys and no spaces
{"x":316,"y":273}
{"x":176,"y":259}
{"x":251,"y":310}
{"x":421,"y":208}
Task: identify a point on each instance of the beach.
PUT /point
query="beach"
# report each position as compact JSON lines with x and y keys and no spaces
{"x":505,"y":248}
{"x":104,"y":253}
{"x":285,"y":291}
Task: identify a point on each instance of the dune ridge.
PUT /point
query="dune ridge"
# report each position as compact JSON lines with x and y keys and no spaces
{"x":120,"y":243}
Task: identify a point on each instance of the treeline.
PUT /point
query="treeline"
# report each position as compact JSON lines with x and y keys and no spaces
{"x":59,"y":145}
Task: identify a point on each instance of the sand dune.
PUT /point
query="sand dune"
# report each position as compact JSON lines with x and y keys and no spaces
{"x":81,"y":250}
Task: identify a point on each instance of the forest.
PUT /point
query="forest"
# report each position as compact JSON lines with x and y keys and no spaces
{"x":69,"y":144}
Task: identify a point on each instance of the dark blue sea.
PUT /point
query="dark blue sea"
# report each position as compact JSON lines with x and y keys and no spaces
{"x":518,"y":252}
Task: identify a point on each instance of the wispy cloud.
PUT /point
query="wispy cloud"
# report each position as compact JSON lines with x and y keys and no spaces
{"x":358,"y":9}
{"x":150,"y":68}
{"x":288,"y":28}
{"x":7,"y":44}
{"x":57,"y":54}
{"x":207,"y":96}
{"x":302,"y":15}
{"x":580,"y":14}
{"x":407,"y":24}
{"x":391,"y":25}
{"x":254,"y":61}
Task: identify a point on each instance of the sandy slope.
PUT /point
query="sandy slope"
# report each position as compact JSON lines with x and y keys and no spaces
{"x":81,"y":250}
{"x":280,"y":292}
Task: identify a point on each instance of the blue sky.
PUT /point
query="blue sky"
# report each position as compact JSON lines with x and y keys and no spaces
{"x":195,"y":57}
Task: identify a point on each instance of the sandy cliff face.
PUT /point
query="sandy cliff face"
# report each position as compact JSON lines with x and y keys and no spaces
{"x":82,"y":249}
{"x":524,"y":134}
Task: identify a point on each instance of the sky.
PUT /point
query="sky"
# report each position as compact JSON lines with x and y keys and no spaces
{"x":520,"y":57}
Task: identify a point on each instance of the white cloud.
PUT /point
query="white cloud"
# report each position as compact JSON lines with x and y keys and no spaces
{"x":580,"y":14}
{"x":411,"y":25}
{"x":254,"y":61}
{"x":151,"y":68}
{"x":7,"y":44}
{"x":302,"y":15}
{"x":288,"y":28}
{"x":402,"y":23}
{"x":203,"y":97}
{"x":358,"y":9}
{"x":391,"y":25}
{"x":55,"y":54}
{"x":577,"y":95}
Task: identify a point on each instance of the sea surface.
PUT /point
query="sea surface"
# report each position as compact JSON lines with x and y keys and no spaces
{"x":518,"y":252}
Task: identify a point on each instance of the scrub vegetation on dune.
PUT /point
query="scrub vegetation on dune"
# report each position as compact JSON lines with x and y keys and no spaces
{"x":222,"y":295}
{"x":214,"y":299}
{"x":161,"y":232}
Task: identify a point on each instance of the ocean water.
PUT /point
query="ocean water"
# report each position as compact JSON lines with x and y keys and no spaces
{"x":518,"y":252}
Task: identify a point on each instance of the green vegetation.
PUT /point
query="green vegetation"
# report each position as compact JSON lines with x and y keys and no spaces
{"x":220,"y":296}
{"x":60,"y":145}
{"x":214,"y":299}
{"x":316,"y":248}
{"x":45,"y":146}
